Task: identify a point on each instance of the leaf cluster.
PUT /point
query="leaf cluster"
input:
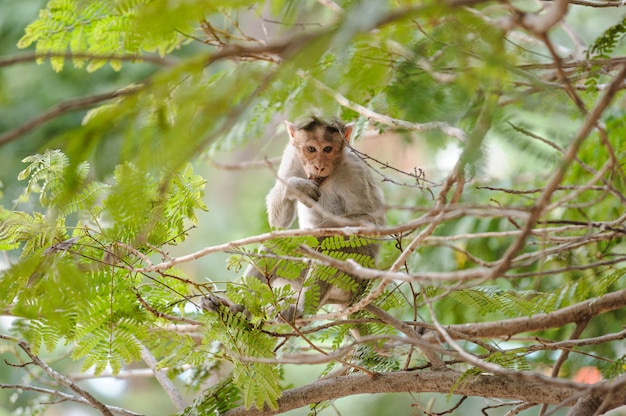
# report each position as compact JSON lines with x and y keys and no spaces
{"x":602,"y":49}
{"x":256,"y":383}
{"x":102,"y":28}
{"x":77,"y":289}
{"x":510,"y":303}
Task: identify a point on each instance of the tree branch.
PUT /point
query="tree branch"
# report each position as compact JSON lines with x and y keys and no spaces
{"x":67,"y":397}
{"x":445,"y":128}
{"x":591,"y":3}
{"x":95,"y":403}
{"x":62,"y":108}
{"x":444,"y":381}
{"x":163,"y":379}
{"x":452,"y":212}
{"x":575,"y":313}
{"x":541,"y":24}
{"x":153,"y":59}
{"x":542,"y":202}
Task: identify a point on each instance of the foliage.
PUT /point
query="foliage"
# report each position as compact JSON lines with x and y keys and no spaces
{"x":77,"y":289}
{"x":218,"y":399}
{"x":258,"y":382}
{"x":94,"y":238}
{"x":602,"y":48}
{"x":103,"y":28}
{"x":606,"y":43}
{"x":511,"y":304}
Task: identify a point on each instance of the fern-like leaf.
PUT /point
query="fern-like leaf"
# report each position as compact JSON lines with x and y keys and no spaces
{"x":489,"y":299}
{"x":102,"y":28}
{"x":258,"y":382}
{"x":216,"y":400}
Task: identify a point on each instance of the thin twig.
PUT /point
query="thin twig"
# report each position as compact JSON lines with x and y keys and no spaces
{"x":118,"y":411}
{"x":93,"y":402}
{"x":445,"y":128}
{"x":63,"y":108}
{"x":542,"y":202}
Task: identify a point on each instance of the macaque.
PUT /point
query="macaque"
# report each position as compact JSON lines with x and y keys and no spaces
{"x":318,"y":164}
{"x":327,"y":185}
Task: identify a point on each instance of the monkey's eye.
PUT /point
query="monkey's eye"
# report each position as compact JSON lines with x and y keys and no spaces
{"x":311,"y":149}
{"x":328,"y":149}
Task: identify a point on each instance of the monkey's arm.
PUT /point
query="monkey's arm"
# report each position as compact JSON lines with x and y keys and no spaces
{"x":283,"y":198}
{"x":291,"y":186}
{"x":280,"y":211}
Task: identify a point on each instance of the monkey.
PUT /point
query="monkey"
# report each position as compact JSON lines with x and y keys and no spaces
{"x":318,"y":163}
{"x":325,"y":184}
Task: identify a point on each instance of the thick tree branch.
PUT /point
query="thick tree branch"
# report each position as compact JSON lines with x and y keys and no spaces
{"x":575,"y":313}
{"x":497,"y":369}
{"x":585,"y":406}
{"x":443,"y":381}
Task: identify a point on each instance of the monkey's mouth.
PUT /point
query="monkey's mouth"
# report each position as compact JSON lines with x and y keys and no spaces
{"x":319,"y":180}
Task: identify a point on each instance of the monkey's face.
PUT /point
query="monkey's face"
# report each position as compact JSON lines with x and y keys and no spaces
{"x":319,"y":153}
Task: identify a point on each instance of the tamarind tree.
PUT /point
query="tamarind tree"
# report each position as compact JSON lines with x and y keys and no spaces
{"x":501,"y":275}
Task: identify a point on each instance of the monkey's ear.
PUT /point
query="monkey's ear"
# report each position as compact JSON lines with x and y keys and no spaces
{"x":291,"y":130}
{"x":347,"y":131}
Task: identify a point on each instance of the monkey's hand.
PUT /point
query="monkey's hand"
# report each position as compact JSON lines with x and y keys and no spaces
{"x":300,"y":186}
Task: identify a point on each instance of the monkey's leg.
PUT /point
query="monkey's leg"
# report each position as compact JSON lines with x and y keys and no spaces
{"x":213,"y":302}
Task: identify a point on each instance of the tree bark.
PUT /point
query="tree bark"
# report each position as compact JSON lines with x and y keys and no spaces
{"x":441,"y":381}
{"x":509,"y":327}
